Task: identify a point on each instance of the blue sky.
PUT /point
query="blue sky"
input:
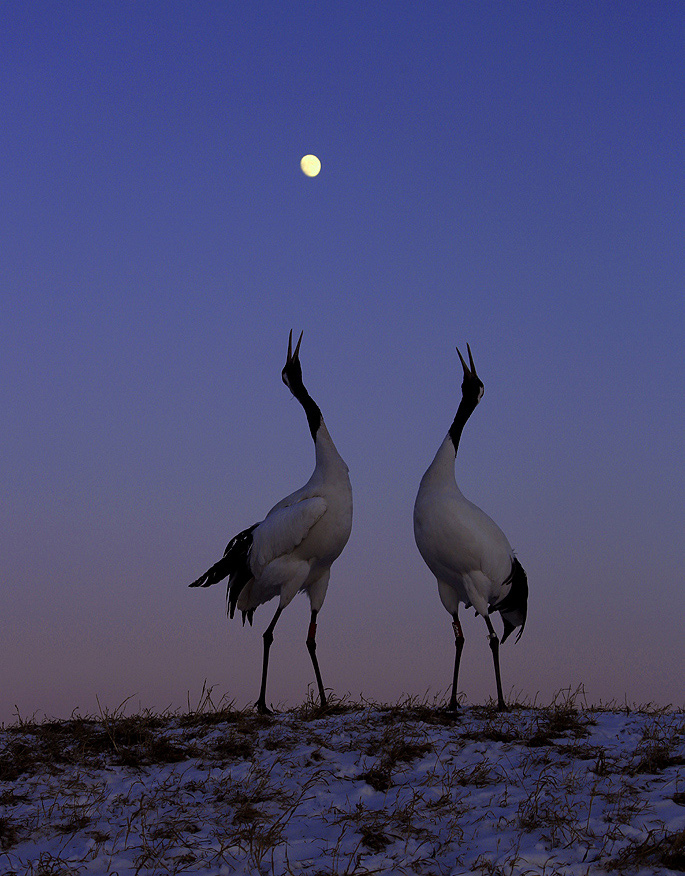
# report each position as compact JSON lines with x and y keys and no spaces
{"x":507,"y":174}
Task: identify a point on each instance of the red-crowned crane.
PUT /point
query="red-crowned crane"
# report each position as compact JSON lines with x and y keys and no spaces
{"x":467,"y":551}
{"x":293,"y":548}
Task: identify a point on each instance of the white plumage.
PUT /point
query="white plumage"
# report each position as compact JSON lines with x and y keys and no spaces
{"x":278,"y":536}
{"x":292,"y":549}
{"x":465,"y":549}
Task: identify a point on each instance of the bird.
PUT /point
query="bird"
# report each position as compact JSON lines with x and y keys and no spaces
{"x":464,"y":548}
{"x":293,"y":548}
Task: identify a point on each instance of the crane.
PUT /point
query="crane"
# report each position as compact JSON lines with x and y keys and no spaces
{"x":293,"y":548}
{"x":463,"y":547}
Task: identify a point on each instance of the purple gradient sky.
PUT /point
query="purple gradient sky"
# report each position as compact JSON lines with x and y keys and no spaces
{"x":508,"y":174}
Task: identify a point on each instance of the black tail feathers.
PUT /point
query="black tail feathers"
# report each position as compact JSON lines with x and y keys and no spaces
{"x":234,"y":565}
{"x":514,"y":606}
{"x":212,"y":576}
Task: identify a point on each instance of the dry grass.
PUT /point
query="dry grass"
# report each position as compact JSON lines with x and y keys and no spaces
{"x":658,"y":749}
{"x":660,"y":848}
{"x":220,"y":788}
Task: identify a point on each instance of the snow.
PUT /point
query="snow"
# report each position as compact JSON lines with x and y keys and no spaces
{"x":361,"y":789}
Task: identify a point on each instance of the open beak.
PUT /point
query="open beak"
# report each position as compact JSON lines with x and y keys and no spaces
{"x":292,"y":356}
{"x":468,"y":372}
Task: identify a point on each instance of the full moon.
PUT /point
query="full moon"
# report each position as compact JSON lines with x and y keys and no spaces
{"x":310,"y":165}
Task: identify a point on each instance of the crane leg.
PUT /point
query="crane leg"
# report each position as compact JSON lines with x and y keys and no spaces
{"x":268,"y":639}
{"x":458,"y":647}
{"x":311,"y":647}
{"x":494,"y":647}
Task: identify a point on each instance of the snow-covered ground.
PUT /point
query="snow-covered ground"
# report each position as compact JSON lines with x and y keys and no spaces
{"x":361,"y":789}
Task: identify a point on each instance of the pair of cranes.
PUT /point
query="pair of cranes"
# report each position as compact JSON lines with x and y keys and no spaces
{"x":293,"y":548}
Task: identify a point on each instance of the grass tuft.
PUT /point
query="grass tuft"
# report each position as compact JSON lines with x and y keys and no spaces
{"x":661,"y":848}
{"x":218,"y":789}
{"x":8,"y":834}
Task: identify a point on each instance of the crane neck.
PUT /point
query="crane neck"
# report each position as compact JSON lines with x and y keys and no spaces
{"x":464,"y":411}
{"x":328,"y":460}
{"x":311,"y":409}
{"x":327,"y":457}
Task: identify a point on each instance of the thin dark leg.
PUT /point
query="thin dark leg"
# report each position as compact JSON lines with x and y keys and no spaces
{"x":458,"y":647}
{"x":311,"y":647}
{"x":268,"y":639}
{"x":494,"y":647}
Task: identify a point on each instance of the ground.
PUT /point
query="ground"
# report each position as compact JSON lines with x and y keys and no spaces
{"x":358,"y":789}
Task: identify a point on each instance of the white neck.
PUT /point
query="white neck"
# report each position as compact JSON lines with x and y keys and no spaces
{"x":327,"y":456}
{"x":441,"y":471}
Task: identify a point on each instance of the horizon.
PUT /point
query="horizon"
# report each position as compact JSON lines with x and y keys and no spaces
{"x":507,"y":175}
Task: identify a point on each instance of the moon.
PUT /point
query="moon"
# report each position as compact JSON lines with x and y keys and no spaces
{"x":310,"y":165}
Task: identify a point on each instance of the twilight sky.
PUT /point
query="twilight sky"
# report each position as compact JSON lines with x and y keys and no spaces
{"x":507,"y":174}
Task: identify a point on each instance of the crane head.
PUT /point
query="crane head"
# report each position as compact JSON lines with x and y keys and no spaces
{"x":472,"y":388}
{"x":292,"y":370}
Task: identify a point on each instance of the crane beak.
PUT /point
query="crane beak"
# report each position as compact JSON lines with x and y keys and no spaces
{"x":464,"y":365}
{"x":291,"y":355}
{"x":468,"y":372}
{"x":473,"y":367}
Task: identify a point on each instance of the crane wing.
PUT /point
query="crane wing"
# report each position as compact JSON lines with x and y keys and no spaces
{"x":283,"y":530}
{"x":234,"y":559}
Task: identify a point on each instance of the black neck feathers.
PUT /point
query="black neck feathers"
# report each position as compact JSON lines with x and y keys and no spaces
{"x":312,"y":411}
{"x":471,"y":394}
{"x":292,"y":377}
{"x":464,"y":411}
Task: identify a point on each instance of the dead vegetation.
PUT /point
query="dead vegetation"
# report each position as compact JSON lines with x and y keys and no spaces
{"x":661,"y":848}
{"x":219,"y":789}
